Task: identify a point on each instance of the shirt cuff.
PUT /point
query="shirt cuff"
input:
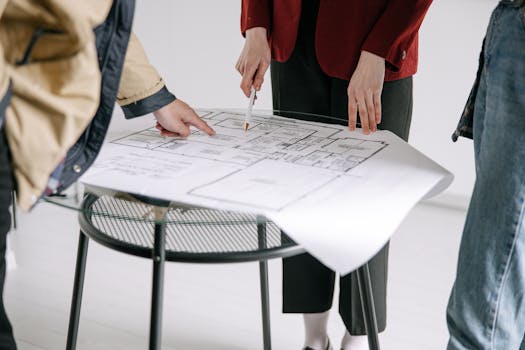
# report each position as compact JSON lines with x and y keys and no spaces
{"x":149,"y":104}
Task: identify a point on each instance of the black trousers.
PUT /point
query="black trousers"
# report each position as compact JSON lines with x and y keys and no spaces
{"x":300,"y":85}
{"x":7,"y":341}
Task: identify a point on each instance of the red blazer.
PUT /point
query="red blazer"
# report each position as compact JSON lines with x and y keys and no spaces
{"x":387,"y":28}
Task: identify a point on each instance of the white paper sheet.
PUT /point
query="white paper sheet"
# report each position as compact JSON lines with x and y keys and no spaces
{"x":339,"y":194}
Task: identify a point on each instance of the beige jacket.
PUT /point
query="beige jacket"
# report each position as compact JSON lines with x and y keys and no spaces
{"x":56,"y":89}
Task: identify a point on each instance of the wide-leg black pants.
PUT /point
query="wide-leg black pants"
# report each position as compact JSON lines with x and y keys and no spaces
{"x":300,"y":85}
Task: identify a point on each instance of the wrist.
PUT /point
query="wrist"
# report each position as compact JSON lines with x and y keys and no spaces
{"x":369,"y":56}
{"x":162,"y":111}
{"x":158,"y":113}
{"x":256,"y":33}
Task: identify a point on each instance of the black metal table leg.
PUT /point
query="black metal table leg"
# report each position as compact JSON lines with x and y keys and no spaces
{"x":367,"y":303}
{"x":76,"y":300}
{"x":157,"y":292}
{"x":265,"y":297}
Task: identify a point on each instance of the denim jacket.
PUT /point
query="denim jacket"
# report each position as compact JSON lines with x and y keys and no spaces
{"x":465,"y":124}
{"x":56,"y":128}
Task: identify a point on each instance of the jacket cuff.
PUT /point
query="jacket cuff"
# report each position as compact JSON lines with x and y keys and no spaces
{"x":395,"y":34}
{"x":394,"y":55}
{"x":149,"y":104}
{"x":255,"y":13}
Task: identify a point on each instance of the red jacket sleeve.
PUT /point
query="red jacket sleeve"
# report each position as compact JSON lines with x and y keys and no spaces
{"x":396,"y":29}
{"x":256,"y":13}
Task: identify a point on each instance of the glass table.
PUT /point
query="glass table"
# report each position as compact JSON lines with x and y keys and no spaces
{"x":164,"y":231}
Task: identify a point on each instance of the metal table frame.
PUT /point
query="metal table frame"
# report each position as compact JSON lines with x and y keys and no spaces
{"x":159,"y":255}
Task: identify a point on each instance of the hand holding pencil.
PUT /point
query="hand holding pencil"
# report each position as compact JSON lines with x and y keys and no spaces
{"x":252,"y":64}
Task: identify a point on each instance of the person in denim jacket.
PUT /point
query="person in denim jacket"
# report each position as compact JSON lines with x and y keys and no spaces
{"x":486,"y":309}
{"x":63,"y":65}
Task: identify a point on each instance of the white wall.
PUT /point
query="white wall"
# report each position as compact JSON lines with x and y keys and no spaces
{"x":450,"y":43}
{"x":195,"y":44}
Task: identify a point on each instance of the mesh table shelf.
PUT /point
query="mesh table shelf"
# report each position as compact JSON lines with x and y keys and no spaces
{"x":165,"y":233}
{"x":192,"y":234}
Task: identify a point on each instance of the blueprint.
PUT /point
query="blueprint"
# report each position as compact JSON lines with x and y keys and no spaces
{"x":340,"y":194}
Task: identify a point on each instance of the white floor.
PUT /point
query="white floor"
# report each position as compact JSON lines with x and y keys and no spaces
{"x":211,"y":306}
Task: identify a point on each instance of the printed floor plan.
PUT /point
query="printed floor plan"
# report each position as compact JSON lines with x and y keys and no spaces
{"x":285,"y":158}
{"x":339,"y":194}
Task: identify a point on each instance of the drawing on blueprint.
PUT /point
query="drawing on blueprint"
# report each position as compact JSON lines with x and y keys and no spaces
{"x":275,"y":163}
{"x":289,"y":141}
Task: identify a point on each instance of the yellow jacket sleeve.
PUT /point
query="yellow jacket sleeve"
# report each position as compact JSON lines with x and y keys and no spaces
{"x":142,"y":90}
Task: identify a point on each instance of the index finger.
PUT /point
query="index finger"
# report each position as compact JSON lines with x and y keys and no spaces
{"x":200,"y":124}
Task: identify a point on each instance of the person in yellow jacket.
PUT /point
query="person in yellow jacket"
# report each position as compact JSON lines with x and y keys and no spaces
{"x":63,"y":64}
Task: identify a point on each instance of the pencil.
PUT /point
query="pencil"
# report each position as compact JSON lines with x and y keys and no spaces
{"x":248,"y":117}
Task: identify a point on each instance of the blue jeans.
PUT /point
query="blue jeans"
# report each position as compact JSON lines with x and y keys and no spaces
{"x":486,"y":309}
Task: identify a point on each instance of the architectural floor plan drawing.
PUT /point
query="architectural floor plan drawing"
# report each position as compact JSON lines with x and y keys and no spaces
{"x":335,"y":192}
{"x":276,"y":159}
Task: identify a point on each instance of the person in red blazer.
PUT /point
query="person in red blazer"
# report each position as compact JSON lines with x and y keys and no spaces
{"x":352,"y":60}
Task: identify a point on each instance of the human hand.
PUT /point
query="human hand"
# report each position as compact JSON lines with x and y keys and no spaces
{"x":254,"y":60}
{"x":364,"y":92}
{"x":176,"y":118}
